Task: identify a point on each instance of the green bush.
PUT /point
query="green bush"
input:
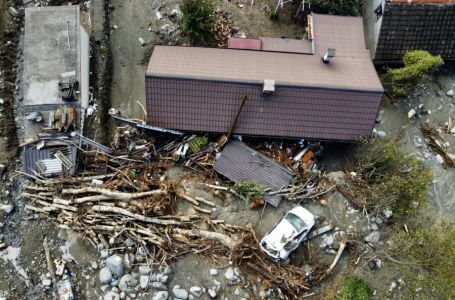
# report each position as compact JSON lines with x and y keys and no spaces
{"x":338,"y":7}
{"x":393,"y":179}
{"x":417,"y":64}
{"x":197,"y":21}
{"x":429,"y":253}
{"x":249,"y":189}
{"x":355,"y":288}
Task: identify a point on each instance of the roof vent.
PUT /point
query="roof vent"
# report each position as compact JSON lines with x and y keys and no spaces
{"x":329,"y":55}
{"x":268,"y":87}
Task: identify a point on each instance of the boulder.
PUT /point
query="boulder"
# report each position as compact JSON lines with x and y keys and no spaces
{"x":127,"y":282}
{"x":144,"y":281}
{"x":196,"y":291}
{"x":373,"y":237}
{"x":213,"y":272}
{"x":159,"y":286}
{"x":179,"y":292}
{"x":161,"y":295}
{"x":105,"y":275}
{"x":115,"y":264}
{"x":229,"y":274}
{"x":144,"y":270}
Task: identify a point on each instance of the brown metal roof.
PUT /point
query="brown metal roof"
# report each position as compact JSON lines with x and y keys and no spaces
{"x":241,"y":43}
{"x":239,"y":162}
{"x":286,"y":45}
{"x":343,"y":72}
{"x":345,"y":34}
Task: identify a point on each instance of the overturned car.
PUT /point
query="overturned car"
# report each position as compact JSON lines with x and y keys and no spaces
{"x":287,"y":234}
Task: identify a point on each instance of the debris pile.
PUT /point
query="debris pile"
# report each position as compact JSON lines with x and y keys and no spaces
{"x":436,"y":142}
{"x":222,"y":28}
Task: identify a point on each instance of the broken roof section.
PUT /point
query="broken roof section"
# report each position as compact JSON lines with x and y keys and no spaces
{"x":239,"y":162}
{"x":55,"y":59}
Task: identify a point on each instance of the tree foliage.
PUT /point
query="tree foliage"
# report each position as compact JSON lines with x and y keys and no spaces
{"x":417,"y":64}
{"x":394,"y":180}
{"x":249,"y":189}
{"x":338,"y":7}
{"x":197,"y":21}
{"x":355,"y":288}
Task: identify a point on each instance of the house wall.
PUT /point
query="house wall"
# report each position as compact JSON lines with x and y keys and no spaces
{"x":371,"y":24}
{"x":85,"y":66}
{"x":296,"y":112}
{"x":407,"y":27}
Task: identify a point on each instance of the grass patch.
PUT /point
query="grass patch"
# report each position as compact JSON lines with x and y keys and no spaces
{"x":430,"y":253}
{"x":355,"y":288}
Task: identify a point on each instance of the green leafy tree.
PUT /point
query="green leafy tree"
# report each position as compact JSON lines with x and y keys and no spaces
{"x":417,"y":65}
{"x":355,"y":288}
{"x":197,"y":20}
{"x":338,"y":7}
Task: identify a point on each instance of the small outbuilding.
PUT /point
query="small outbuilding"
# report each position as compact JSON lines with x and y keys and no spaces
{"x":322,"y":88}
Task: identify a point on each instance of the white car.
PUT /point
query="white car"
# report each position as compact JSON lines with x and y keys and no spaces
{"x":287,"y":234}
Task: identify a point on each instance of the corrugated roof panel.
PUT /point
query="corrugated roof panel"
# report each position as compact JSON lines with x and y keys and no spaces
{"x":239,"y":162}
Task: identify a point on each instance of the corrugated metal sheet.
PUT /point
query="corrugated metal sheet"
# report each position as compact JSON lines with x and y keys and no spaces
{"x":32,"y":155}
{"x":239,"y":162}
{"x":48,"y":167}
{"x":429,"y":27}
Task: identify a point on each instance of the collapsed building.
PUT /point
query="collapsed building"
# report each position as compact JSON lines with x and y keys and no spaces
{"x":323,"y":88}
{"x":394,"y":27}
{"x":55,"y":88}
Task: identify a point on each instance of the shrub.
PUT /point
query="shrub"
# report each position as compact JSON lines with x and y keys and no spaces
{"x":197,"y":20}
{"x":355,"y":288}
{"x":393,"y":180}
{"x":338,"y":7}
{"x":430,"y":261}
{"x":417,"y":64}
{"x":249,"y":189}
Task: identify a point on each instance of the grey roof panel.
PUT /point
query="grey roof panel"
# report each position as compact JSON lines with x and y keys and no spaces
{"x":239,"y":162}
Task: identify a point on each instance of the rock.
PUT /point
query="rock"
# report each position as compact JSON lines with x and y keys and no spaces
{"x":2,"y":166}
{"x":165,"y":270}
{"x":323,"y":202}
{"x":336,"y":176}
{"x":105,"y":275}
{"x":67,"y":257}
{"x":262,"y":294}
{"x":393,"y":285}
{"x":13,"y":11}
{"x":105,"y":287}
{"x":46,"y":282}
{"x":128,"y":260}
{"x":212,"y":293}
{"x":161,"y":295}
{"x":196,"y":291}
{"x":162,"y":278}
{"x":388,"y":213}
{"x":328,"y":240}
{"x":104,"y":253}
{"x":213,"y":272}
{"x":378,"y":220}
{"x":373,"y":237}
{"x":129,"y":242}
{"x":141,"y":41}
{"x":174,"y":13}
{"x":229,"y":274}
{"x":7,"y":208}
{"x":111,"y":296}
{"x":331,"y":251}
{"x":380,"y":134}
{"x":371,"y":264}
{"x":94,"y":265}
{"x":115,"y":264}
{"x":144,"y":270}
{"x":237,"y":291}
{"x":439,"y":159}
{"x":411,"y":113}
{"x":179,"y":292}
{"x":374,"y":226}
{"x":378,"y":263}
{"x":159,"y":286}
{"x":159,"y":16}
{"x":144,"y":281}
{"x":449,"y":93}
{"x":122,"y":295}
{"x":417,"y":142}
{"x":127,"y":282}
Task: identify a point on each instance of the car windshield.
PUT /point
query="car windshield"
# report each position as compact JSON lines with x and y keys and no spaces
{"x":295,"y":221}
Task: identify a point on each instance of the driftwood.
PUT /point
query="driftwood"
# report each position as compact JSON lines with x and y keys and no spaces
{"x":112,"y":194}
{"x":206,"y":211}
{"x":50,"y":266}
{"x":335,"y":261}
{"x":209,"y":235}
{"x":121,"y":211}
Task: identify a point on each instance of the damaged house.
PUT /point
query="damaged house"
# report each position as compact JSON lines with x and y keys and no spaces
{"x":323,"y":88}
{"x":55,"y":88}
{"x":394,"y":27}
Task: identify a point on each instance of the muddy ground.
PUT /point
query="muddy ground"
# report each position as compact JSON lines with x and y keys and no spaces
{"x":22,"y":263}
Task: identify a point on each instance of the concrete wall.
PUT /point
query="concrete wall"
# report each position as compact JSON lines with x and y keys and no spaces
{"x":85,"y":67}
{"x":372,"y":26}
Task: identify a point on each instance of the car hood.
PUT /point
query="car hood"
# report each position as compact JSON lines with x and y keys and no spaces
{"x":280,"y":235}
